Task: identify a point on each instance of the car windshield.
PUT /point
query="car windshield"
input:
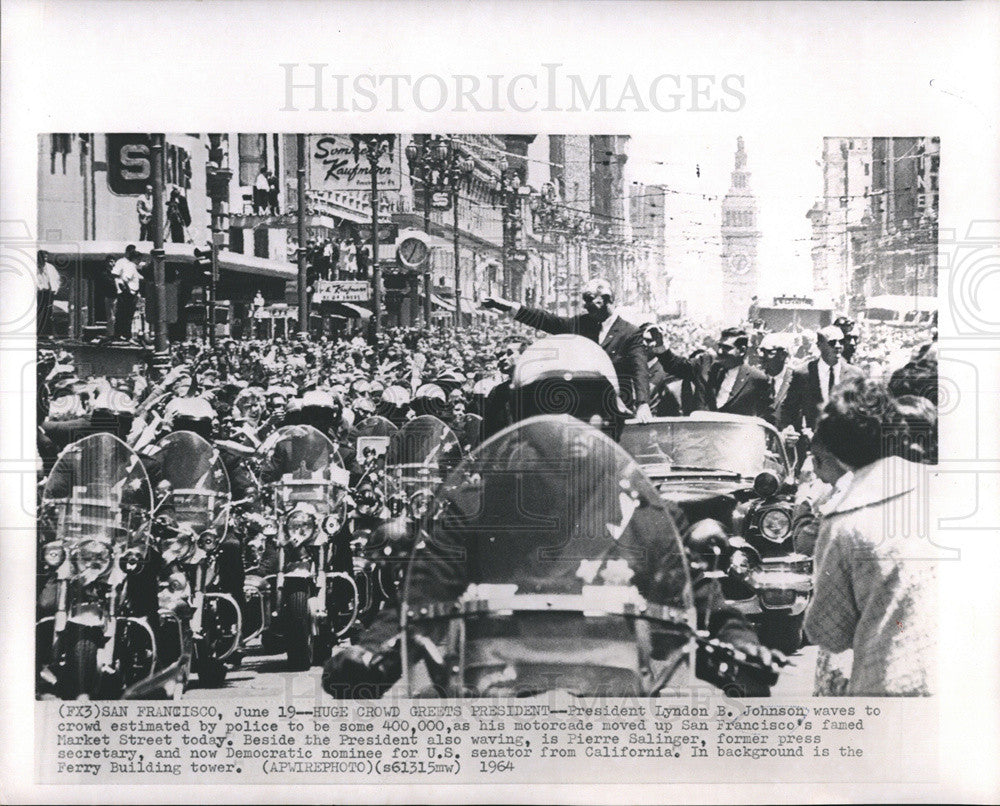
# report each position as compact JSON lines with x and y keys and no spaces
{"x":687,"y":444}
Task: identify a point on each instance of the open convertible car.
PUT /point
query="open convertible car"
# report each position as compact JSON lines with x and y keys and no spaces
{"x":734,"y":470}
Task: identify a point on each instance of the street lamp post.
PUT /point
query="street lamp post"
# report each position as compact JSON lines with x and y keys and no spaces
{"x":217,"y":184}
{"x":375,"y":146}
{"x":441,"y":167}
{"x":161,"y":357}
{"x":303,"y":297}
{"x":421,"y":160}
{"x":507,"y":189}
{"x":571,"y":229}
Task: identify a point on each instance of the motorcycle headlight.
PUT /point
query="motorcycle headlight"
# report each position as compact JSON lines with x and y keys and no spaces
{"x":300,"y":526}
{"x":775,"y":524}
{"x":331,"y":525}
{"x":131,"y":561}
{"x":92,"y":556}
{"x":208,"y":540}
{"x":778,"y":597}
{"x":54,"y":554}
{"x":419,"y":504}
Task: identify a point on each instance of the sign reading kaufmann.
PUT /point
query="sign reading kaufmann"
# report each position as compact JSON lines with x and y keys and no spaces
{"x":342,"y":291}
{"x":334,"y":166}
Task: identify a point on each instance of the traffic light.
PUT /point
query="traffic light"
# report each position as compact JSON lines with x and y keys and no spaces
{"x":203,"y":263}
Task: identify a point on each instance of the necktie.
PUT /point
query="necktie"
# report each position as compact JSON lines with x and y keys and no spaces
{"x":774,"y":384}
{"x":829,"y":387}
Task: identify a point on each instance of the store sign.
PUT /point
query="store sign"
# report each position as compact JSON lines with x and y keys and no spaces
{"x":342,"y":291}
{"x":789,"y":300}
{"x":130,"y":167}
{"x":334,"y":166}
{"x":441,"y":200}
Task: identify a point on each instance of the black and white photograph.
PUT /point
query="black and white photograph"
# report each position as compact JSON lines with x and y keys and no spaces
{"x":449,"y":399}
{"x":260,"y":425}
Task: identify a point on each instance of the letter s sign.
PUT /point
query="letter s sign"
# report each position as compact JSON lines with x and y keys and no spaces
{"x":129,"y":166}
{"x":135,"y":162}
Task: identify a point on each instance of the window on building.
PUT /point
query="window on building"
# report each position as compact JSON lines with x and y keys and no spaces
{"x":60,"y":146}
{"x":253,"y":156}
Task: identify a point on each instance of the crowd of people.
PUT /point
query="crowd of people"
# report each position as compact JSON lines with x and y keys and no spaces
{"x":836,"y":407}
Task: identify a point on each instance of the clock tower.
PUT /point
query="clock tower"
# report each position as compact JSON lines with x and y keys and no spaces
{"x":739,"y":242}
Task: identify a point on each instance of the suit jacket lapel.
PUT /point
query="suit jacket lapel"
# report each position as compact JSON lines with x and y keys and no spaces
{"x":612,"y":332}
{"x":742,"y":376}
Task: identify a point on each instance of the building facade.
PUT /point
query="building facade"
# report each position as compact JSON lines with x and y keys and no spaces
{"x":875,"y":227}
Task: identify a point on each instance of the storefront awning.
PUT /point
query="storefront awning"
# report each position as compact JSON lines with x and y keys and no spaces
{"x":347,"y":309}
{"x":444,"y":304}
{"x":173,"y":253}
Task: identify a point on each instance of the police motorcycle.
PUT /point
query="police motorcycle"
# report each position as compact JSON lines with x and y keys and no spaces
{"x":376,"y":517}
{"x":98,"y":626}
{"x":308,"y":584}
{"x":419,"y":457}
{"x":191,"y":521}
{"x":548,"y":563}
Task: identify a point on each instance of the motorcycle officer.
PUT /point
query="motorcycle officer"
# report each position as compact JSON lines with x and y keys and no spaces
{"x":197,"y":415}
{"x":561,"y":374}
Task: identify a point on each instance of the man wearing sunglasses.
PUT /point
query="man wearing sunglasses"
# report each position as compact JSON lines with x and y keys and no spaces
{"x":599,"y":322}
{"x":846,"y":324}
{"x":811,"y":384}
{"x":728,"y":384}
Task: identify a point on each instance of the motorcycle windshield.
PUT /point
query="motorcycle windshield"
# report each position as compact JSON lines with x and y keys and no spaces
{"x":422,"y":452}
{"x":375,"y":427}
{"x":371,"y":438}
{"x":97,"y":490}
{"x":561,"y":562}
{"x":191,"y":482}
{"x":304,"y":464}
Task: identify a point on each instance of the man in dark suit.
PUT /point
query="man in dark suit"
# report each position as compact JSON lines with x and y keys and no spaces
{"x":664,"y":391}
{"x":728,"y":384}
{"x":621,"y":340}
{"x":811,"y":383}
{"x":774,"y":351}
